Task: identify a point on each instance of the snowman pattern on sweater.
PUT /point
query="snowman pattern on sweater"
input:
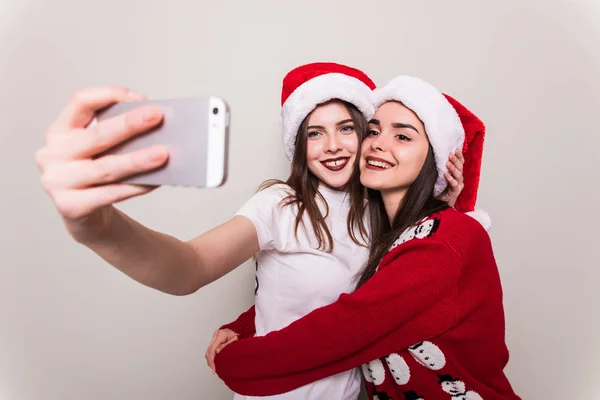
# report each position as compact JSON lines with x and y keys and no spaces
{"x":425,"y":228}
{"x":429,"y":356}
{"x":425,"y":353}
{"x":457,"y":389}
{"x":374,"y":372}
{"x":380,"y":395}
{"x":412,"y":396}
{"x":399,"y":368}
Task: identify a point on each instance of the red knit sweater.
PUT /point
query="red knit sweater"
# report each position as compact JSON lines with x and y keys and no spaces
{"x":244,"y":325}
{"x":429,"y":324}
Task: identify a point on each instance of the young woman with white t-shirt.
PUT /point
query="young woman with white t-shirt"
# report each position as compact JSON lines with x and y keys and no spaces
{"x":298,"y":271}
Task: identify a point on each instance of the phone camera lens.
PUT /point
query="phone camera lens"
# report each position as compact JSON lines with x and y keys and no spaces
{"x":215,"y":110}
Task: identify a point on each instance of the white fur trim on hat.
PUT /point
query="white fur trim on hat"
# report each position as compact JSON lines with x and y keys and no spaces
{"x":442,"y":124}
{"x":316,"y":91}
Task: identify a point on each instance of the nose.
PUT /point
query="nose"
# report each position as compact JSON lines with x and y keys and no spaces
{"x":333,"y":144}
{"x":379,"y":143}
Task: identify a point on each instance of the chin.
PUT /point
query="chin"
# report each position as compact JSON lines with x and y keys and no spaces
{"x":333,"y":179}
{"x":370,"y":182}
{"x":372,"y":186}
{"x":336,"y":182}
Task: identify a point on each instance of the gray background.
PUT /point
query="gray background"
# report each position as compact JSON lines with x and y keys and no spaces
{"x":72,"y":327}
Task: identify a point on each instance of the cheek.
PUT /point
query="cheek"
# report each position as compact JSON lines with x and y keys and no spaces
{"x":314,"y":150}
{"x":422,"y":155}
{"x":411,"y":160}
{"x":366,"y":144}
{"x":415,"y":153}
{"x":350,"y":143}
{"x":407,"y":157}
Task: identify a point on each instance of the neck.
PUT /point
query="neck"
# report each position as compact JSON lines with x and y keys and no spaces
{"x":335,"y":195}
{"x":392,"y":201}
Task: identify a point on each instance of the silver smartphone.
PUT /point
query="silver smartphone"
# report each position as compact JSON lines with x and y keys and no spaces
{"x":196,"y":133}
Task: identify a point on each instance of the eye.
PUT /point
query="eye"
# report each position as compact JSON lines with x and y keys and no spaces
{"x":403,"y":137}
{"x":373,"y":132}
{"x":313,"y":134}
{"x":347,"y":129}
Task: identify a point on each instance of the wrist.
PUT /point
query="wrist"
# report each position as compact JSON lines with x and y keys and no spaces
{"x":93,"y":229}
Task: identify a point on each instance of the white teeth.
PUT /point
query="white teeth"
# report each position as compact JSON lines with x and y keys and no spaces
{"x":380,"y":164}
{"x":335,"y":163}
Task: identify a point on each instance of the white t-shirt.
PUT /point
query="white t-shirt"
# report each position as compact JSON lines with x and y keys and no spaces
{"x":294,"y":278}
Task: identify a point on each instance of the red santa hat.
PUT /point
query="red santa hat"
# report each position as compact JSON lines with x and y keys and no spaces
{"x":309,"y":85}
{"x":450,"y":126}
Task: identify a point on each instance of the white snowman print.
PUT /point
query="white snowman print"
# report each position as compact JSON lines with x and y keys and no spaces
{"x":374,"y":372}
{"x":428,"y":355}
{"x":457,"y":389}
{"x":366,"y":371}
{"x":407,"y":235}
{"x":425,"y":228}
{"x":399,"y":368}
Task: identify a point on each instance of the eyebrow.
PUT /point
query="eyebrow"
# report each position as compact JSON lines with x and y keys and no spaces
{"x":395,"y":125}
{"x":337,"y":124}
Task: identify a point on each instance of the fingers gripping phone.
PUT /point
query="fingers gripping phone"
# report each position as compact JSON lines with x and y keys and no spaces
{"x":195,"y":131}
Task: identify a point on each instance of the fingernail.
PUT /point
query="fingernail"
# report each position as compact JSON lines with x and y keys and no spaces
{"x":150,"y":115}
{"x":156,"y":154}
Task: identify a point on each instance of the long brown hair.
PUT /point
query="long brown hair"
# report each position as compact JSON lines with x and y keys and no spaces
{"x":305,"y":188}
{"x":418,"y":203}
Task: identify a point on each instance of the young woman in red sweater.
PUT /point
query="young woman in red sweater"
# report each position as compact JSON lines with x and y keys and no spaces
{"x":426,"y":320}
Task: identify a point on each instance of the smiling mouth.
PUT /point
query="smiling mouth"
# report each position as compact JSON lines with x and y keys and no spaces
{"x":336,"y":164}
{"x":377,"y":164}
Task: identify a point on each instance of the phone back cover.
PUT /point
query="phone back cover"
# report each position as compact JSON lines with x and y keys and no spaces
{"x":184,"y":132}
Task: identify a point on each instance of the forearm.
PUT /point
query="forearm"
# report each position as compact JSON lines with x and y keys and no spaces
{"x":152,"y":258}
{"x":409,"y":299}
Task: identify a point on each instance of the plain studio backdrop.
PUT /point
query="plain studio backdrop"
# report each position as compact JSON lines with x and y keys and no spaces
{"x":72,"y":327}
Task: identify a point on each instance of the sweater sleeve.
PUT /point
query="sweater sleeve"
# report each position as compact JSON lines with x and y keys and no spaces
{"x":410,"y":299}
{"x":244,"y":324}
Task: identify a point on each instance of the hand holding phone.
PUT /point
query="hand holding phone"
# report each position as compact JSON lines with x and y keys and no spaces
{"x":195,"y":132}
{"x":83,"y":184}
